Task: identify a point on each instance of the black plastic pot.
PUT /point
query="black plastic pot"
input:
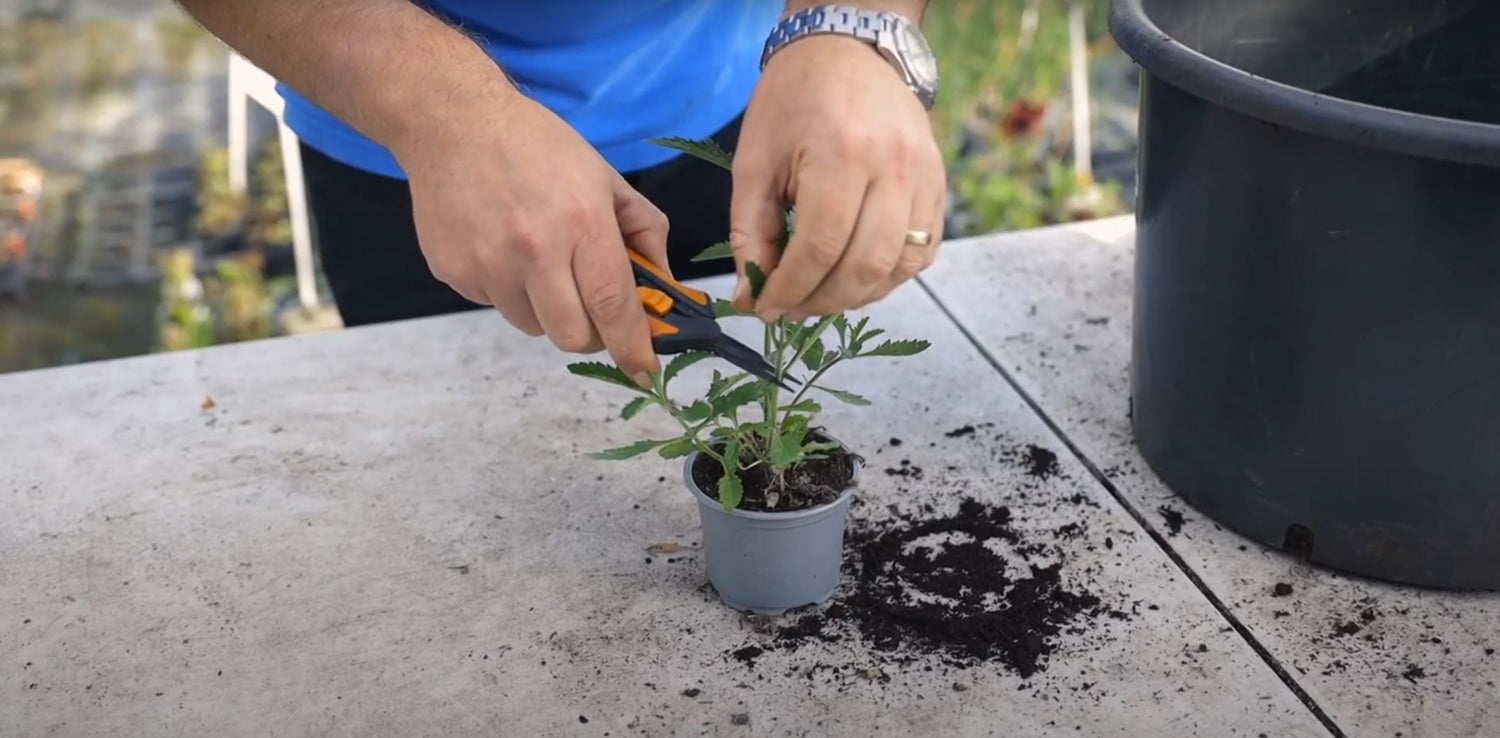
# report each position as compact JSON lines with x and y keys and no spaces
{"x":1316,"y":358}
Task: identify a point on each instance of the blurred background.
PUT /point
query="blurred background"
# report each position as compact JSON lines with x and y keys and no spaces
{"x":121,"y":234}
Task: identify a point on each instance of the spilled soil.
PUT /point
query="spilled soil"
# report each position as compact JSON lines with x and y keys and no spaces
{"x":963,"y":586}
{"x":938,"y":586}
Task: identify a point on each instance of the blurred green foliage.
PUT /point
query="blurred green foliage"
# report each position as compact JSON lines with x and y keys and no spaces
{"x":221,"y":210}
{"x":112,"y":57}
{"x":236,"y":302}
{"x":1003,"y":115}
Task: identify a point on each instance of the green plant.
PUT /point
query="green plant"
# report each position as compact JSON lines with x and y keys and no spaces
{"x":720,"y":423}
{"x":221,"y":210}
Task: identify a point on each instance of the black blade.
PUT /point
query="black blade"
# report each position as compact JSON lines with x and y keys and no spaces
{"x":743,"y":357}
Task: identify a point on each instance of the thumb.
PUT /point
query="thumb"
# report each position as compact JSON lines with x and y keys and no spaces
{"x":756,"y":222}
{"x":643,"y":226}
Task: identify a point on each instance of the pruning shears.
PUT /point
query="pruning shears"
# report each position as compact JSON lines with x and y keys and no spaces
{"x":683,"y":319}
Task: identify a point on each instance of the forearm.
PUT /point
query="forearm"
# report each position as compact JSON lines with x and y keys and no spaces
{"x":910,"y":9}
{"x":388,"y":68}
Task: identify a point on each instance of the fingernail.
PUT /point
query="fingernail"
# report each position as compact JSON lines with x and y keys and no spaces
{"x":643,"y":379}
{"x":770,"y":315}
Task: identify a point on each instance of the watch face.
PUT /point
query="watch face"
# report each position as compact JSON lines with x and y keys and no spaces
{"x":919,"y":57}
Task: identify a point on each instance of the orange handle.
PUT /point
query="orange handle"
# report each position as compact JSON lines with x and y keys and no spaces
{"x":697,"y":296}
{"x":655,"y":301}
{"x":660,"y":327}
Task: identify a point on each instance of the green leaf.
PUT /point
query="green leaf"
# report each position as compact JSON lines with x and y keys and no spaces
{"x":904,"y":347}
{"x":794,"y":333}
{"x":626,"y":452}
{"x":717,"y":384}
{"x":604,"y":372}
{"x":818,"y":447}
{"x":846,"y":396}
{"x":791,"y":227}
{"x":857,"y":336}
{"x":757,"y":278}
{"x":738,"y":397}
{"x":841,"y":326}
{"x":731,"y":489}
{"x":786,"y":446}
{"x":634,"y":407}
{"x":795,"y":429}
{"x":783,"y":453}
{"x":726,"y":309}
{"x":813,"y":356}
{"x":697,"y":412}
{"x":705,"y":149}
{"x":808,"y":406}
{"x":682,"y":361}
{"x":720,"y":250}
{"x":678,"y":448}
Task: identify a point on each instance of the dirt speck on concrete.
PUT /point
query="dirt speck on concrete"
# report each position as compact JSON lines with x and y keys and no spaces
{"x":1172,"y":517}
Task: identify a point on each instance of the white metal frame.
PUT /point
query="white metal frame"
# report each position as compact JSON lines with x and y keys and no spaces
{"x":1083,"y":145}
{"x":248,"y":82}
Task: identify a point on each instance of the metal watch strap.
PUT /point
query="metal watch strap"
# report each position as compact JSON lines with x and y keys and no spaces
{"x":838,"y":19}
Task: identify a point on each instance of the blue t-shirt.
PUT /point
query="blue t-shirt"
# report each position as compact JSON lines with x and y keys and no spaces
{"x":619,"y":72}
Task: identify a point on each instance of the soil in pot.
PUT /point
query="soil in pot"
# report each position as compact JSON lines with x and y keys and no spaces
{"x":810,"y":484}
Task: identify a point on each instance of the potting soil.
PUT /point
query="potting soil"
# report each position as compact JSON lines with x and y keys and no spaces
{"x":939,"y":586}
{"x":811,"y":483}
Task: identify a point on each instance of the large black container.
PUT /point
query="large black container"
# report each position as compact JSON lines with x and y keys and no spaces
{"x":1316,"y":358}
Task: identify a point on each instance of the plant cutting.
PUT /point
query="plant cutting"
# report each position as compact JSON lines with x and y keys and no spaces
{"x":773,"y":487}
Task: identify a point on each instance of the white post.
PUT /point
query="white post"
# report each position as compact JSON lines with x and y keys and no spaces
{"x":249,"y":82}
{"x":1083,"y":157}
{"x":239,"y":125}
{"x":296,"y":198}
{"x":1029,"y":17}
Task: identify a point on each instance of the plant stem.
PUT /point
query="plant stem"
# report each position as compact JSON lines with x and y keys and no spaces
{"x":692,"y":430}
{"x":812,"y":380}
{"x":776,"y":347}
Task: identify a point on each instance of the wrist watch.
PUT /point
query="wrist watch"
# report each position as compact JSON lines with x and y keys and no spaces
{"x":896,"y":38}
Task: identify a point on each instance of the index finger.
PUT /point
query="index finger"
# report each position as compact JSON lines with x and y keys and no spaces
{"x":827,"y":210}
{"x":607,"y":285}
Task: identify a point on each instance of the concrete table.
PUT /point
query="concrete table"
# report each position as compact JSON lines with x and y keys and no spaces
{"x":393,"y":530}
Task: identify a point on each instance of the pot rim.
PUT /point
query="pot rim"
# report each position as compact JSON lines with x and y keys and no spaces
{"x":704,"y":499}
{"x":1338,"y":119}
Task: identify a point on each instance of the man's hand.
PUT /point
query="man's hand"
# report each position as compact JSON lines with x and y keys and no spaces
{"x":524,"y":215}
{"x":513,"y":208}
{"x":833,"y":129}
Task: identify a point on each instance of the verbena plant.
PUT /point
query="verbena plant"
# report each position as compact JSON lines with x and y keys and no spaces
{"x":720,"y":423}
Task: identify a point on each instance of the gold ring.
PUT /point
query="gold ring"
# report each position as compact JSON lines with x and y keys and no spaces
{"x":918,"y":238}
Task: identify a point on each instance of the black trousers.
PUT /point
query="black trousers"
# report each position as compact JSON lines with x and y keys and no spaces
{"x":367,"y":242}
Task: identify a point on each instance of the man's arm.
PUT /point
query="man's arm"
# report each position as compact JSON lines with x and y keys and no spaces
{"x":512,"y":207}
{"x":388,"y":68}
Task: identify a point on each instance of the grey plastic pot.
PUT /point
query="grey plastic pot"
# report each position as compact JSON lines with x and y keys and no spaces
{"x":768,"y":563}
